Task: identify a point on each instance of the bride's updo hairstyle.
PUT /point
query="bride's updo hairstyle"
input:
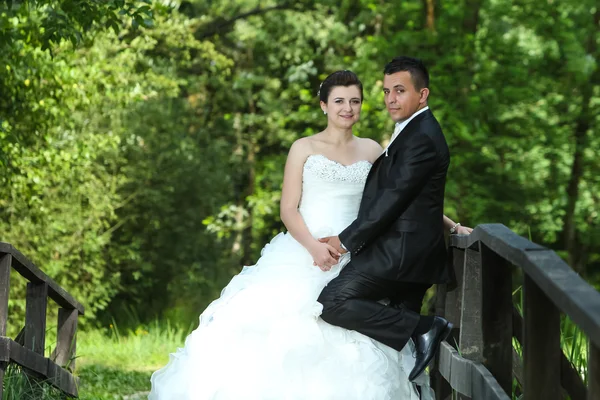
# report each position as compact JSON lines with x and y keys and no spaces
{"x":339,"y":78}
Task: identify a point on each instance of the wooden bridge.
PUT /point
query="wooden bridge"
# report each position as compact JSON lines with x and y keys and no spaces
{"x":480,"y":304}
{"x":27,"y":350}
{"x":478,"y":361}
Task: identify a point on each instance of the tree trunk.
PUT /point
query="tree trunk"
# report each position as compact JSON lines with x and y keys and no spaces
{"x":430,"y":15}
{"x":583,"y":124}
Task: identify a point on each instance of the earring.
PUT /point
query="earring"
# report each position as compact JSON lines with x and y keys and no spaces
{"x":325,"y":112}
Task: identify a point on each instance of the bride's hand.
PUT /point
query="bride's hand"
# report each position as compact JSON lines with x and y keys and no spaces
{"x":463,"y":230}
{"x":324,"y":255}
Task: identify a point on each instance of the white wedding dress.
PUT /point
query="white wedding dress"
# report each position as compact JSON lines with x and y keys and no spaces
{"x":263,"y":338}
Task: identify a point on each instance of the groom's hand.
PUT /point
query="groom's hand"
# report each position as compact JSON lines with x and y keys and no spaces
{"x":333,"y":241}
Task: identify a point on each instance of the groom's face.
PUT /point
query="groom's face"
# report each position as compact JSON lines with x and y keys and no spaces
{"x":402,"y":99}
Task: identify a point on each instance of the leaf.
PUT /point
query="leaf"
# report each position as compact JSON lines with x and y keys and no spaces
{"x":145,"y":10}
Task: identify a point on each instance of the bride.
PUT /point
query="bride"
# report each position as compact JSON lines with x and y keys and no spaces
{"x":263,"y":338}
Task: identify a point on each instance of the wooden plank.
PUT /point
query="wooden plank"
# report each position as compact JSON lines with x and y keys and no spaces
{"x":62,"y":379}
{"x":497,"y":316}
{"x":5,"y":261}
{"x":29,"y":271}
{"x":39,"y":365}
{"x":35,"y":317}
{"x":571,"y":294}
{"x":500,"y":239}
{"x":471,"y":332}
{"x":484,"y":385}
{"x":469,"y":378}
{"x":64,"y":354}
{"x":541,"y":347}
{"x":594,"y":373}
{"x":25,"y":357}
{"x":460,"y":377}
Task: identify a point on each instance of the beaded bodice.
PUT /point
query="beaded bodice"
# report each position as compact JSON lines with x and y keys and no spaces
{"x":331,"y":194}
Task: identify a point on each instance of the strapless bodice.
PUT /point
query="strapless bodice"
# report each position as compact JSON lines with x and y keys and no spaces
{"x":331,"y":194}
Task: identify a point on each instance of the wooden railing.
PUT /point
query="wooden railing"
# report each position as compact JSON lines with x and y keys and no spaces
{"x":478,"y":360}
{"x":28,"y":348}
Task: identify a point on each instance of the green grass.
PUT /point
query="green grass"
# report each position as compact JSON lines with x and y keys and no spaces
{"x":18,"y":386}
{"x":111,"y":364}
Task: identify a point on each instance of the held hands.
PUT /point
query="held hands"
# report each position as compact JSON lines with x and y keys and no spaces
{"x":332,"y":245}
{"x":324,"y":255}
{"x":335,"y":242}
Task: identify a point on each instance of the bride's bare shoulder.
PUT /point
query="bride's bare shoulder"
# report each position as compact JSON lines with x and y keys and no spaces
{"x":301,"y":149}
{"x":372,"y":150}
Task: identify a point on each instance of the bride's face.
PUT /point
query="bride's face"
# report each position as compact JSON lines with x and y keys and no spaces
{"x":343,"y":106}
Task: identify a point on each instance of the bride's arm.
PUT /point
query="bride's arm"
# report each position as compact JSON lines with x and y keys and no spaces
{"x":290,"y":199}
{"x":460,"y":230}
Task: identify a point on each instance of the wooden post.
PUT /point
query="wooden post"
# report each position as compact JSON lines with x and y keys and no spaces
{"x":471,"y":333}
{"x":5,"y":261}
{"x":453,"y":306}
{"x":594,"y":373}
{"x":441,"y":387}
{"x":66,"y":338}
{"x":35,"y":317}
{"x":3,"y":366}
{"x":541,"y":347}
{"x":497,"y":317}
{"x":454,"y":301}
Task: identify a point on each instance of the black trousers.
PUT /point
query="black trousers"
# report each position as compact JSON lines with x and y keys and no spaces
{"x":352,"y":301}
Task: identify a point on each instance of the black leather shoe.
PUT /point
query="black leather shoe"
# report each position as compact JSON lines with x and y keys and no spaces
{"x":427,"y":344}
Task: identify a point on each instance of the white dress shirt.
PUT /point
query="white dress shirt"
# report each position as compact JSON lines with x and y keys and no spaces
{"x":400,"y":126}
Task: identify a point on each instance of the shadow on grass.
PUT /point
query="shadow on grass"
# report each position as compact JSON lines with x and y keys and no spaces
{"x":98,"y":382}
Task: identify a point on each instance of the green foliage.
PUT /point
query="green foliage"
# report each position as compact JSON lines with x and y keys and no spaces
{"x":141,"y":160}
{"x":45,"y":23}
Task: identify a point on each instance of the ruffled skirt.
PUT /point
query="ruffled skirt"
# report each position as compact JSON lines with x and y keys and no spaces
{"x":263,"y":340}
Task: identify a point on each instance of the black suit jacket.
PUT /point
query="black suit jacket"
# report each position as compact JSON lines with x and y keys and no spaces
{"x":398,"y":233}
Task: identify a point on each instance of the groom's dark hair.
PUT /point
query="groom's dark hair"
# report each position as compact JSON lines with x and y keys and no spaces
{"x":416,"y":68}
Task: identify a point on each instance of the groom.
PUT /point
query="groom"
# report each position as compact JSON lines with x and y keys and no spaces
{"x":397,"y":240}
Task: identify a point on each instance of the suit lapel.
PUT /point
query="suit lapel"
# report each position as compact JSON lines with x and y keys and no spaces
{"x":411,"y":127}
{"x":374,"y":168}
{"x":407,"y":130}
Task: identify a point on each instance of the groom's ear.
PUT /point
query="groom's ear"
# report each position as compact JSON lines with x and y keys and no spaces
{"x":424,"y":95}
